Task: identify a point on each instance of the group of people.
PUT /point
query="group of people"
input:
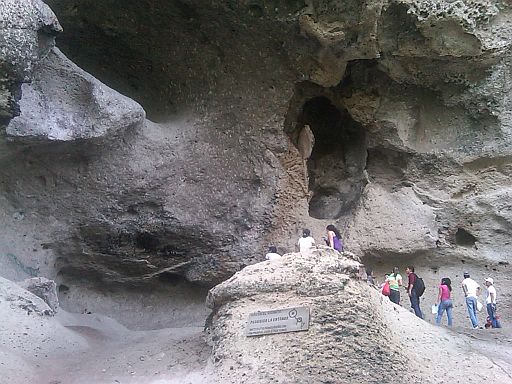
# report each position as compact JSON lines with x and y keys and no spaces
{"x":332,"y":239}
{"x":444,"y":302}
{"x":415,"y":285}
{"x":306,"y":242}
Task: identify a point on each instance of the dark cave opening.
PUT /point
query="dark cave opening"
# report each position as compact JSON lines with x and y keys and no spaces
{"x":337,"y":160}
{"x":464,"y":238}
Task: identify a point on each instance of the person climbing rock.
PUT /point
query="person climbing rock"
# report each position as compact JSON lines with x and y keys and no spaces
{"x":411,"y":291}
{"x":471,"y":290}
{"x":306,"y":242}
{"x":333,"y":239}
{"x":395,"y":282}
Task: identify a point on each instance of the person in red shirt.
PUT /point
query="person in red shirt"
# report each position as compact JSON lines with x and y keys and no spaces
{"x":413,"y":296}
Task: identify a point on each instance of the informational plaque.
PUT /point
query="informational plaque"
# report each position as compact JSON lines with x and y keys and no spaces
{"x":278,"y":321}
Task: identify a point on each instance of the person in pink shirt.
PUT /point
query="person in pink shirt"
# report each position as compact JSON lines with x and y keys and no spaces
{"x":444,"y":301}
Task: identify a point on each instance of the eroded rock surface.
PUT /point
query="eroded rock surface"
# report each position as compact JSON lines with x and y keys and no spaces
{"x":355,"y":334}
{"x":44,"y":289}
{"x":28,"y":30}
{"x":62,"y":102}
{"x":406,"y":107}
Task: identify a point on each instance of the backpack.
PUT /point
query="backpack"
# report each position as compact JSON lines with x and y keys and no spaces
{"x":419,"y":286}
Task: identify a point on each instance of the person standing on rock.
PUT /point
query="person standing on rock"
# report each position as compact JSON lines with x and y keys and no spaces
{"x":413,"y":295}
{"x":444,"y":301}
{"x":471,"y":290}
{"x":334,"y":238}
{"x":272,"y":254}
{"x":491,"y":302}
{"x":306,"y":242}
{"x":395,"y":282}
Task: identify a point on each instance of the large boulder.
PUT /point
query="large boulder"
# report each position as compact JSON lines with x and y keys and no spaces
{"x":355,"y":334}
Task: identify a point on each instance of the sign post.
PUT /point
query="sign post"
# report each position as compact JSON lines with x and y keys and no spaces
{"x":278,"y":321}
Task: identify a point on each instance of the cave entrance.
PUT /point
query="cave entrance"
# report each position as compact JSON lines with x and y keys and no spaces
{"x":334,"y":145}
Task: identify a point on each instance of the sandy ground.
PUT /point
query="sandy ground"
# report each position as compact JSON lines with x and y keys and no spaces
{"x":451,"y":355}
{"x":90,"y":348}
{"x":118,"y":355}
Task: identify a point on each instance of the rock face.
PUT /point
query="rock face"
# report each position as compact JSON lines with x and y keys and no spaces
{"x":389,"y":119}
{"x":355,"y":334}
{"x":28,"y":30}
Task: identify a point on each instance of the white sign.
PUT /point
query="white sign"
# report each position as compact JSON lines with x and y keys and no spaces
{"x":278,"y":321}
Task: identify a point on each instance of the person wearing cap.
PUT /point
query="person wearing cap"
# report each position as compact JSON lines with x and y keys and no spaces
{"x":471,"y":290}
{"x":491,"y":302}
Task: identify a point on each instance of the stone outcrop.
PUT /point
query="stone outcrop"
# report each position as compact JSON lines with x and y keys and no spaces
{"x":355,"y":334}
{"x":44,"y":289}
{"x":344,"y":330}
{"x":28,"y":30}
{"x":63,"y":102}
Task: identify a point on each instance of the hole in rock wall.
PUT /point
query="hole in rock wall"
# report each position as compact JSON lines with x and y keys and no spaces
{"x":336,"y":157}
{"x":464,"y":238}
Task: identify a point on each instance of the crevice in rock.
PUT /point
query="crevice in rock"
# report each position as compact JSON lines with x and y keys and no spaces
{"x":333,"y":146}
{"x":464,"y":238}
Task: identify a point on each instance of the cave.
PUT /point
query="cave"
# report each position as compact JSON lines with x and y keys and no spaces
{"x":152,"y":151}
{"x":464,"y":238}
{"x":337,"y":158}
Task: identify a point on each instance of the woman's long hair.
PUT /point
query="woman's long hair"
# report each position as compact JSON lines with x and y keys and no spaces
{"x":331,"y":227}
{"x":446,"y":281}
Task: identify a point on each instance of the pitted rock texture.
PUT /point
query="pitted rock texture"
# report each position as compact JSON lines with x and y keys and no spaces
{"x":355,"y":334}
{"x":27,"y":33}
{"x":408,"y":103}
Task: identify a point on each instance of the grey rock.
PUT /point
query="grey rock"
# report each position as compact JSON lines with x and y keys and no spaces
{"x":43,"y":288}
{"x":27,"y":33}
{"x":23,"y":300}
{"x":407,"y":103}
{"x":65,"y":103}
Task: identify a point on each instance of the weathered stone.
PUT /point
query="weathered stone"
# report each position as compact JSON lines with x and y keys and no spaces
{"x":64,"y":103}
{"x":27,"y":33}
{"x":411,"y":135}
{"x":355,"y":334}
{"x":43,"y":288}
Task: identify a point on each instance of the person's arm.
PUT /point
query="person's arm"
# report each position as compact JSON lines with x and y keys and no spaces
{"x":464,"y":289}
{"x":440,"y":294}
{"x":399,"y":280}
{"x":492,"y":296}
{"x":411,"y":285}
{"x":330,"y":234}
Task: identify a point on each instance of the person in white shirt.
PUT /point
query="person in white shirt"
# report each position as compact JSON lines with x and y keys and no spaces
{"x":471,"y":290}
{"x":306,"y":242}
{"x":491,"y":302}
{"x":272,"y":254}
